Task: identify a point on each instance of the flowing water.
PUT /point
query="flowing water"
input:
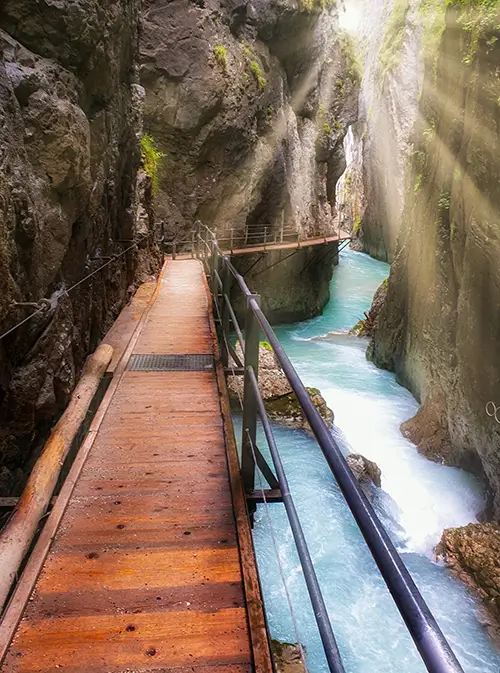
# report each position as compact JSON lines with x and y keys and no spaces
{"x":417,"y":500}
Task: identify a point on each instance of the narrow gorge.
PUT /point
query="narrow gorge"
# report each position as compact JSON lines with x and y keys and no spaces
{"x":343,"y":155}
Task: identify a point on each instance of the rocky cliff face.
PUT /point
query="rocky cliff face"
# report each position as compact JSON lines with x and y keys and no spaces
{"x":70,"y":112}
{"x":372,"y":192}
{"x":250,"y":102}
{"x":440,"y":323}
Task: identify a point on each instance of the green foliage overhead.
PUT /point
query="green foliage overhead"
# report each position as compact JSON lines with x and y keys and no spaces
{"x":151,"y":159}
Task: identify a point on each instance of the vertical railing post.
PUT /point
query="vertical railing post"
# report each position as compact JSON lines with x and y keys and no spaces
{"x":282,"y":225}
{"x":174,"y":250}
{"x":232,"y":240}
{"x":265,"y":235}
{"x":192,"y":244}
{"x":205,"y":249}
{"x":214,"y":267}
{"x":226,"y":292}
{"x":249,"y":426}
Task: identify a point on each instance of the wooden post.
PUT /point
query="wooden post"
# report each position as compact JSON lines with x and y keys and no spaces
{"x":249,"y":429}
{"x":16,"y":537}
{"x":232,"y":240}
{"x":174,"y":250}
{"x":282,"y":225}
{"x":192,"y":244}
{"x":265,"y":235}
{"x":226,"y":292}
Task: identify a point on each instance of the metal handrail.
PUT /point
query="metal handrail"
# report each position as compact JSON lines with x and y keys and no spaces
{"x":319,"y":608}
{"x":433,"y":647}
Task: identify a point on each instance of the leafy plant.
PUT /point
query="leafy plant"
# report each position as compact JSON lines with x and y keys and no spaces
{"x":258,"y":74}
{"x":151,"y":159}
{"x":327,"y":128}
{"x":220,"y":53}
{"x":246,"y":50}
{"x":392,"y":42}
{"x":316,"y":5}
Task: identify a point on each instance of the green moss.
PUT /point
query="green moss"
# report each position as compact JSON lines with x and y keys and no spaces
{"x":151,"y":159}
{"x":392,"y":42}
{"x":444,"y":201}
{"x":247,"y":50}
{"x":258,"y":74}
{"x":354,"y":67}
{"x":220,"y":53}
{"x":326,"y":128}
{"x":266,"y":345}
{"x":356,"y":225}
{"x":316,"y":5}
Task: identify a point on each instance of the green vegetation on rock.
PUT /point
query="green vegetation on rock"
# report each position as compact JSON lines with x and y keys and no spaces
{"x":220,"y":53}
{"x":316,"y":5}
{"x":258,"y":74}
{"x":392,"y":42}
{"x":151,"y":159}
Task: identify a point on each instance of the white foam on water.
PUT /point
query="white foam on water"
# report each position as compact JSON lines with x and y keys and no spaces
{"x":417,"y":501}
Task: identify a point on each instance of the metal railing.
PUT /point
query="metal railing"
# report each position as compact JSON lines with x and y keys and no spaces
{"x":430,"y":642}
{"x":251,"y":236}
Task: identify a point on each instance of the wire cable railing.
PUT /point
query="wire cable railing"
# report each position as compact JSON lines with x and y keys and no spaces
{"x":47,"y":304}
{"x":429,"y":640}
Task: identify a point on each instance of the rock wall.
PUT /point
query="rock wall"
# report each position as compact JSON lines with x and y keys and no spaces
{"x":440,"y":324}
{"x":70,"y":113}
{"x":250,"y":102}
{"x":372,"y":192}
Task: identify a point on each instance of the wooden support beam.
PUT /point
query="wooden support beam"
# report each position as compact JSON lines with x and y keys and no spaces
{"x":16,"y":537}
{"x":270,"y":494}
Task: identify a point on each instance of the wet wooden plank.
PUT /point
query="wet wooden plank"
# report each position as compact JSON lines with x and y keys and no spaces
{"x":122,"y":329}
{"x":119,"y":641}
{"x":145,"y":572}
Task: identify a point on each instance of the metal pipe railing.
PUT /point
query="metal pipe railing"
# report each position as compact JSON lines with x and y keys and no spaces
{"x":433,"y":647}
{"x":428,"y":637}
{"x":319,"y":607}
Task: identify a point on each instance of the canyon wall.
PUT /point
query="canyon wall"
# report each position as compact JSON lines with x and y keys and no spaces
{"x":70,"y":113}
{"x":250,"y":102}
{"x":372,"y":192}
{"x":439,"y":327}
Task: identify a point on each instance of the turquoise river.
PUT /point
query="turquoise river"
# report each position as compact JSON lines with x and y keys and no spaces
{"x":418,"y":499}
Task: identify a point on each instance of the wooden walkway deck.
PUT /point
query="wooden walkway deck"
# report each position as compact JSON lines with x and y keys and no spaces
{"x":145,"y":573}
{"x":288,"y":245}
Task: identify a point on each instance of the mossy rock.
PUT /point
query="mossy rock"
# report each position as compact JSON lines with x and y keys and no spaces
{"x":287,"y":657}
{"x":286,"y":409}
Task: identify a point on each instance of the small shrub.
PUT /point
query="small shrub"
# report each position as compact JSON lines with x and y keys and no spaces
{"x":220,"y":54}
{"x":316,"y":5}
{"x":257,"y":73}
{"x":246,"y":50}
{"x":356,"y":225}
{"x":326,"y":128}
{"x":151,"y":159}
{"x":266,"y":345}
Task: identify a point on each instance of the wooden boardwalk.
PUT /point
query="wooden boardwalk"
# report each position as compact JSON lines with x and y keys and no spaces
{"x":288,"y":245}
{"x":145,"y":573}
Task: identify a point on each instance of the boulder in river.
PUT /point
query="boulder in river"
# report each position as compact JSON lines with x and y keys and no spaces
{"x":281,"y":403}
{"x":367,"y":473}
{"x":286,"y":657}
{"x":472,"y":553}
{"x":286,"y":409}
